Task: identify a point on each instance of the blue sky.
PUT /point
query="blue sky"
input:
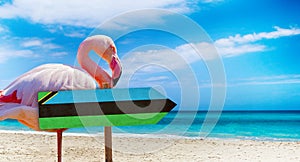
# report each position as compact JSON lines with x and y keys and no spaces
{"x":258,"y":42}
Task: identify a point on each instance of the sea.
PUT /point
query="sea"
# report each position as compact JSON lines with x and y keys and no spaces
{"x":252,"y":125}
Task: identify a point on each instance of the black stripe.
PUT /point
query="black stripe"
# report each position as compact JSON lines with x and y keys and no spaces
{"x":51,"y":94}
{"x":106,"y":108}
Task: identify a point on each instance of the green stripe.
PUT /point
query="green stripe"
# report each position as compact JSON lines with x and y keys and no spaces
{"x":42,"y":95}
{"x":102,"y":120}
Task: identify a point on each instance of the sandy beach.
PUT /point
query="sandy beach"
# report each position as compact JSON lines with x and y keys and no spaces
{"x":20,"y":146}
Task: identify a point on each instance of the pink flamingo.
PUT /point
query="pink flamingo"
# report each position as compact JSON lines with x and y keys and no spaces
{"x":19,"y":100}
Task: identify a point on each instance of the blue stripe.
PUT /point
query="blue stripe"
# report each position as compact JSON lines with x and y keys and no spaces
{"x":105,"y":95}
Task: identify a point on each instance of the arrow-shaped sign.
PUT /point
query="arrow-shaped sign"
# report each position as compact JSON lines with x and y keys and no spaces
{"x":102,"y":107}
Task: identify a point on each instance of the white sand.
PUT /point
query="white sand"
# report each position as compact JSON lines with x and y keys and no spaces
{"x":16,"y":146}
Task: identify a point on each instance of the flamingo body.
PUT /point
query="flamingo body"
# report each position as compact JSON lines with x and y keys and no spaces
{"x":19,"y":100}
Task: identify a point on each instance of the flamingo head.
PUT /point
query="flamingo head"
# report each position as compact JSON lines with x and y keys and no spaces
{"x":106,"y":49}
{"x":110,"y":55}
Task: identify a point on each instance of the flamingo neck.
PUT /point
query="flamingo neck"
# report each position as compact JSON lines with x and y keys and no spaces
{"x":100,"y":75}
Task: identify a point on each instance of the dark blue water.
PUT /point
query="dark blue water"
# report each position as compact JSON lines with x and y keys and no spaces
{"x":265,"y":125}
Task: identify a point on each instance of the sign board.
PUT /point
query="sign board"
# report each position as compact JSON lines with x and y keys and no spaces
{"x":102,"y":107}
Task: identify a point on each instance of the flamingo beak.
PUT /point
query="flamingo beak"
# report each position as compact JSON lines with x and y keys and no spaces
{"x":115,"y":81}
{"x":115,"y":66}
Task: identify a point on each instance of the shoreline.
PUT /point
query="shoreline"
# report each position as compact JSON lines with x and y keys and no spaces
{"x":41,"y":146}
{"x":168,"y":136}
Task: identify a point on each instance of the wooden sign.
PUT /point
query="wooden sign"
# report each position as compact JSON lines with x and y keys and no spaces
{"x":102,"y":107}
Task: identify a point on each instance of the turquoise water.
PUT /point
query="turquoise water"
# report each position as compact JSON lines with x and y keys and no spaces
{"x":260,"y":125}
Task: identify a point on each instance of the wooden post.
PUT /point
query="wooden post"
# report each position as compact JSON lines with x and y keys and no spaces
{"x":108,"y":144}
{"x":59,"y":144}
{"x":107,"y":135}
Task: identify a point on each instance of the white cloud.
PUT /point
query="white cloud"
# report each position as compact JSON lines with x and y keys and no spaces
{"x":59,"y":54}
{"x":17,"y":47}
{"x":2,"y":30}
{"x":237,"y":45}
{"x":158,"y":78}
{"x":32,"y":43}
{"x":159,"y":58}
{"x":267,"y":80}
{"x":211,"y":1}
{"x":189,"y":51}
{"x":252,"y":81}
{"x":141,"y":80}
{"x":6,"y":54}
{"x":75,"y":35}
{"x":235,"y":50}
{"x":37,"y":43}
{"x":143,"y":62}
{"x":68,"y":31}
{"x":80,"y":13}
{"x":153,"y":60}
{"x":279,"y":32}
{"x":163,"y":58}
{"x":132,"y":20}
